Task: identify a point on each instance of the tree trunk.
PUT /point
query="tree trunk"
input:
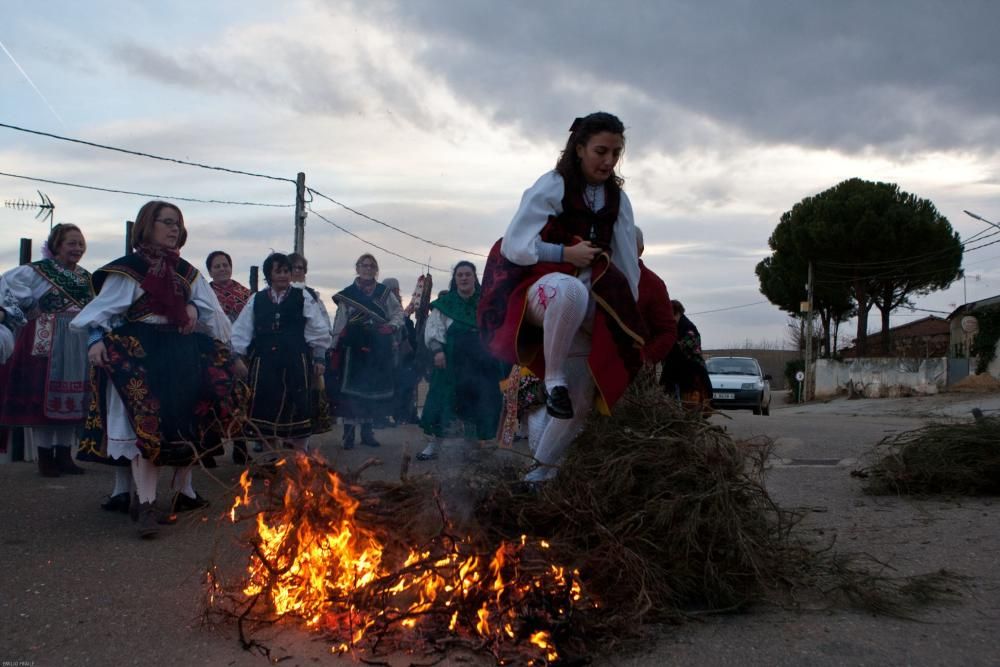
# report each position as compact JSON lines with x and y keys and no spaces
{"x":861,"y":296}
{"x":886,"y":335}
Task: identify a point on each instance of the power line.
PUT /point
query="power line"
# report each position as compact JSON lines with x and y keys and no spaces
{"x":144,"y":194}
{"x":148,"y":155}
{"x":374,"y":245}
{"x":392,"y":227}
{"x":719,"y":310}
{"x":907,"y":261}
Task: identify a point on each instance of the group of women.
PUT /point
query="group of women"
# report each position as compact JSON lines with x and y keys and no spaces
{"x":166,"y":346}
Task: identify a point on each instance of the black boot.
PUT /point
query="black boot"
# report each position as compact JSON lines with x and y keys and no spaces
{"x":64,"y":461}
{"x":149,"y":525}
{"x":240,"y":456}
{"x":47,"y":462}
{"x":368,"y":435}
{"x":348,"y":436}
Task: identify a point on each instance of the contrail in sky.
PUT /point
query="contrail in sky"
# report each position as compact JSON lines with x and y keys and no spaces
{"x":32,"y":83}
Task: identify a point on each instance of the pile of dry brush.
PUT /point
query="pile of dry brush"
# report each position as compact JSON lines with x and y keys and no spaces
{"x":665,"y":516}
{"x":943,"y":457}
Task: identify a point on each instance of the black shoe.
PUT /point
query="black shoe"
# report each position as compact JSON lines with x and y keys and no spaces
{"x":558,"y":404}
{"x":348,"y":436}
{"x":47,"y":466}
{"x":368,"y":436}
{"x":240,"y":456}
{"x":117,"y":503}
{"x":183,"y":503}
{"x":64,"y":461}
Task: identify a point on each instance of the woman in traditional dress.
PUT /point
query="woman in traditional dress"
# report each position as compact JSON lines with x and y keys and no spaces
{"x":685,"y":376}
{"x":285,"y":336}
{"x":465,"y":383}
{"x":232,"y":295}
{"x":560,"y":287}
{"x":160,"y":343}
{"x":368,"y":316}
{"x":233,"y":298}
{"x":43,"y":386}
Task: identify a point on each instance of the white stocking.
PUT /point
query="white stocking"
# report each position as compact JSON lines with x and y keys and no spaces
{"x":123,"y":480}
{"x":558,"y":434}
{"x":145,"y":475}
{"x":182,"y":482}
{"x":558,"y":303}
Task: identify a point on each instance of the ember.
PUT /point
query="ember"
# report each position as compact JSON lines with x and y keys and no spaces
{"x":315,"y":560}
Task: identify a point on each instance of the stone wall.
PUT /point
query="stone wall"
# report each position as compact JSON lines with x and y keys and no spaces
{"x":875,"y":377}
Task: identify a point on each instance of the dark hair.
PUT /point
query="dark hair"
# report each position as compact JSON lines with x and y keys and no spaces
{"x":367,"y":255}
{"x":273,"y":261}
{"x":452,"y":287}
{"x":299,"y":257}
{"x":215,"y":253}
{"x":678,"y":306}
{"x":58,"y":234}
{"x":581,"y":131}
{"x":145,"y":220}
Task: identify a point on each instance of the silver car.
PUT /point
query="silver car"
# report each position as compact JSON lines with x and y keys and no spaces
{"x":739,"y":384}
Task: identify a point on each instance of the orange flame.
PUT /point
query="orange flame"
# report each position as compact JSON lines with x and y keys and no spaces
{"x":314,"y":561}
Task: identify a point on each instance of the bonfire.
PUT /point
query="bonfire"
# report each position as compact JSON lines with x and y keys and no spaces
{"x":657,"y":515}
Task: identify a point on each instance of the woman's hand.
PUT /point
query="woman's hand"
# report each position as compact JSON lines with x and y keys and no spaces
{"x":97,"y":354}
{"x":192,"y":314}
{"x":240,"y":369}
{"x":581,"y":255}
{"x":439,"y":360}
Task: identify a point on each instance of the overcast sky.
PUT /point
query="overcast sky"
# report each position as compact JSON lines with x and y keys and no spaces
{"x":434,"y":116}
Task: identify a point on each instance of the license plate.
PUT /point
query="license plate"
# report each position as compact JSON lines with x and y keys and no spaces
{"x":723,"y":396}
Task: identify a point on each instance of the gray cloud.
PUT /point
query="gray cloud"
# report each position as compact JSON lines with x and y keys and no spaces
{"x":904,"y":75}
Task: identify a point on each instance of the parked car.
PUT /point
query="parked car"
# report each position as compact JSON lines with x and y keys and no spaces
{"x":739,"y":384}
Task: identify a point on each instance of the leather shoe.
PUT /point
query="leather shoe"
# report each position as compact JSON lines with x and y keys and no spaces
{"x":183,"y":503}
{"x":558,"y":404}
{"x":117,"y":503}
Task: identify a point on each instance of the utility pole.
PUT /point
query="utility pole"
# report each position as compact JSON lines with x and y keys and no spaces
{"x":809,"y":335}
{"x":300,"y":213}
{"x":25,"y":252}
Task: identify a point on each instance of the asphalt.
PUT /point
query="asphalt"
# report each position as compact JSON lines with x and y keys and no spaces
{"x":79,"y":588}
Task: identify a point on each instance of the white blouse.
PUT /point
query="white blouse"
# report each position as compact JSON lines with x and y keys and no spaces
{"x":119,"y":292}
{"x":544,"y":199}
{"x":23,"y":286}
{"x":317,"y":331}
{"x":436,"y":330}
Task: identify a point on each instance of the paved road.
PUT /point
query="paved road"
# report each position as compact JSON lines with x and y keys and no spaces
{"x":78,"y":588}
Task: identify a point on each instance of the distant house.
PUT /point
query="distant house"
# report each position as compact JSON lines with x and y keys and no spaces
{"x":921,"y":339}
{"x":958,"y":338}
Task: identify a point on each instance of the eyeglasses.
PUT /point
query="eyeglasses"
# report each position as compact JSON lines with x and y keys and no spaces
{"x":170,"y":222}
{"x":299,"y":267}
{"x":367,"y":266}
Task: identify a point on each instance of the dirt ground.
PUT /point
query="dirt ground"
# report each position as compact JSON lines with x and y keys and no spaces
{"x":79,"y":588}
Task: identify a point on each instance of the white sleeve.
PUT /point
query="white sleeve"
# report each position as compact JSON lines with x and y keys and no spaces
{"x":435,"y":330}
{"x":116,"y":296}
{"x":541,"y":200}
{"x":243,"y":328}
{"x":394,"y":311}
{"x":22,"y":285}
{"x":210,"y":311}
{"x":317,"y":327}
{"x":6,"y":344}
{"x":322,"y":309}
{"x":624,"y":253}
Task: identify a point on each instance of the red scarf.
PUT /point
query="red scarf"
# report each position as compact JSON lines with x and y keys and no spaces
{"x":163,"y":285}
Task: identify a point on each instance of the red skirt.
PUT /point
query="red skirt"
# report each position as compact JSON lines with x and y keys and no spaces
{"x":618,"y":330}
